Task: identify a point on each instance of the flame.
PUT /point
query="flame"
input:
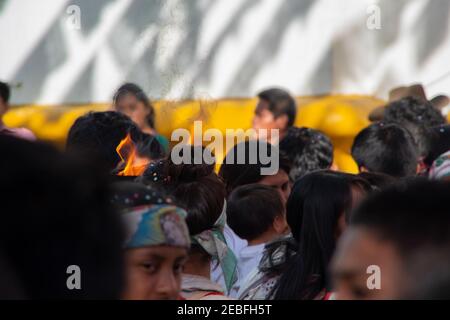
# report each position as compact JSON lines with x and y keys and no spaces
{"x":134,"y":165}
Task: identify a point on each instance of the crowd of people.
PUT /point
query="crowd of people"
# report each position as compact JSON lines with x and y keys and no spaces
{"x":190,"y":232}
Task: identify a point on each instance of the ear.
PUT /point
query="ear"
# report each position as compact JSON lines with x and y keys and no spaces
{"x":280,"y":224}
{"x":282,"y":121}
{"x":363,"y":169}
{"x":421,"y":166}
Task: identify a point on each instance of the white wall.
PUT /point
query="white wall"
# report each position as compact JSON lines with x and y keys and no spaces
{"x":220,"y":48}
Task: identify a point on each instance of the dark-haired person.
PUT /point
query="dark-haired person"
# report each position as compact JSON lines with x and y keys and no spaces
{"x":245,"y":164}
{"x":418,"y":116}
{"x":386,"y":148}
{"x":386,"y":233}
{"x":22,"y":133}
{"x":276,"y":109}
{"x":97,"y":134}
{"x":377,"y":180}
{"x":308,"y":150}
{"x":211,"y":269}
{"x":131,"y":100}
{"x":317,"y":213}
{"x":58,"y":224}
{"x":439,"y":143}
{"x":157,"y":242}
{"x":257,"y":214}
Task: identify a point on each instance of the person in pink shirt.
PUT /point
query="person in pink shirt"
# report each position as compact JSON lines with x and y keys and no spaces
{"x":4,"y":106}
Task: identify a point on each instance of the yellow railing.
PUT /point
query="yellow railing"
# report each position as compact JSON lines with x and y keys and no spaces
{"x":339,"y":116}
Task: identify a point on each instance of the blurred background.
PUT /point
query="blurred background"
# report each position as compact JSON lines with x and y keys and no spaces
{"x":206,"y":59}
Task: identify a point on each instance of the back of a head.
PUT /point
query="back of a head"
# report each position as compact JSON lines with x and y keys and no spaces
{"x":57,"y":213}
{"x":386,"y":148}
{"x":246,"y":161}
{"x":5,"y":92}
{"x":308,"y":150}
{"x":417,"y":116}
{"x":280,"y":103}
{"x":194,"y":187}
{"x":410,"y":215}
{"x":99,"y":133}
{"x":252,"y":209}
{"x":414,"y":110}
{"x":439,"y":143}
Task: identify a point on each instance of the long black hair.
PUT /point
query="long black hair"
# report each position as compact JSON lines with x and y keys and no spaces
{"x":314,"y":208}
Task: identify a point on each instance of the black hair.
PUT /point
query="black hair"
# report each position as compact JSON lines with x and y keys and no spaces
{"x":97,"y":134}
{"x":439,"y":143}
{"x":415,"y":110}
{"x":280,"y":103}
{"x":317,"y":202}
{"x":386,"y":148}
{"x":417,"y":116}
{"x":308,"y":150}
{"x":410,"y":215}
{"x":149,"y":147}
{"x":57,"y":213}
{"x":377,"y":180}
{"x":252,"y":209}
{"x":194,"y":187}
{"x":139,"y":94}
{"x":235,"y":173}
{"x":131,"y":194}
{"x":5,"y":92}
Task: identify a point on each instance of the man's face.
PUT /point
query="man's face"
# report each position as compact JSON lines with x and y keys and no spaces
{"x":357,"y":251}
{"x":265,"y":119}
{"x":280,"y":182}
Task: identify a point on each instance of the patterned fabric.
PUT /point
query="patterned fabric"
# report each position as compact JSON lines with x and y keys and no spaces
{"x":200,"y":288}
{"x":156,"y":225}
{"x":213,"y":242}
{"x":129,"y":194}
{"x":261,"y":283}
{"x":440,"y":170}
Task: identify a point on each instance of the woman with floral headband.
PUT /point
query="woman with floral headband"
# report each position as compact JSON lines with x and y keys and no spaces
{"x":157,"y":242}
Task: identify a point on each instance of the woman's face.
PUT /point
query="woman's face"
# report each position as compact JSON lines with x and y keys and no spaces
{"x":154,"y":273}
{"x":134,"y":108}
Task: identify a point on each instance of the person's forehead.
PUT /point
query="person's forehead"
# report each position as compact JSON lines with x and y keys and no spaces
{"x":159,"y":252}
{"x":359,"y":248}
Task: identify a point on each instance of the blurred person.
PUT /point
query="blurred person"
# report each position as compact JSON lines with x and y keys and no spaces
{"x":10,"y":287}
{"x":249,"y":170}
{"x":131,"y":100}
{"x":308,"y":150}
{"x":439,"y":143}
{"x":23,"y":133}
{"x":57,"y":214}
{"x":386,"y":148}
{"x":257,"y":214}
{"x":317,"y":213}
{"x":440,"y":169}
{"x":98,"y":134}
{"x":377,"y":180}
{"x":276,"y":109}
{"x":387,"y":231}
